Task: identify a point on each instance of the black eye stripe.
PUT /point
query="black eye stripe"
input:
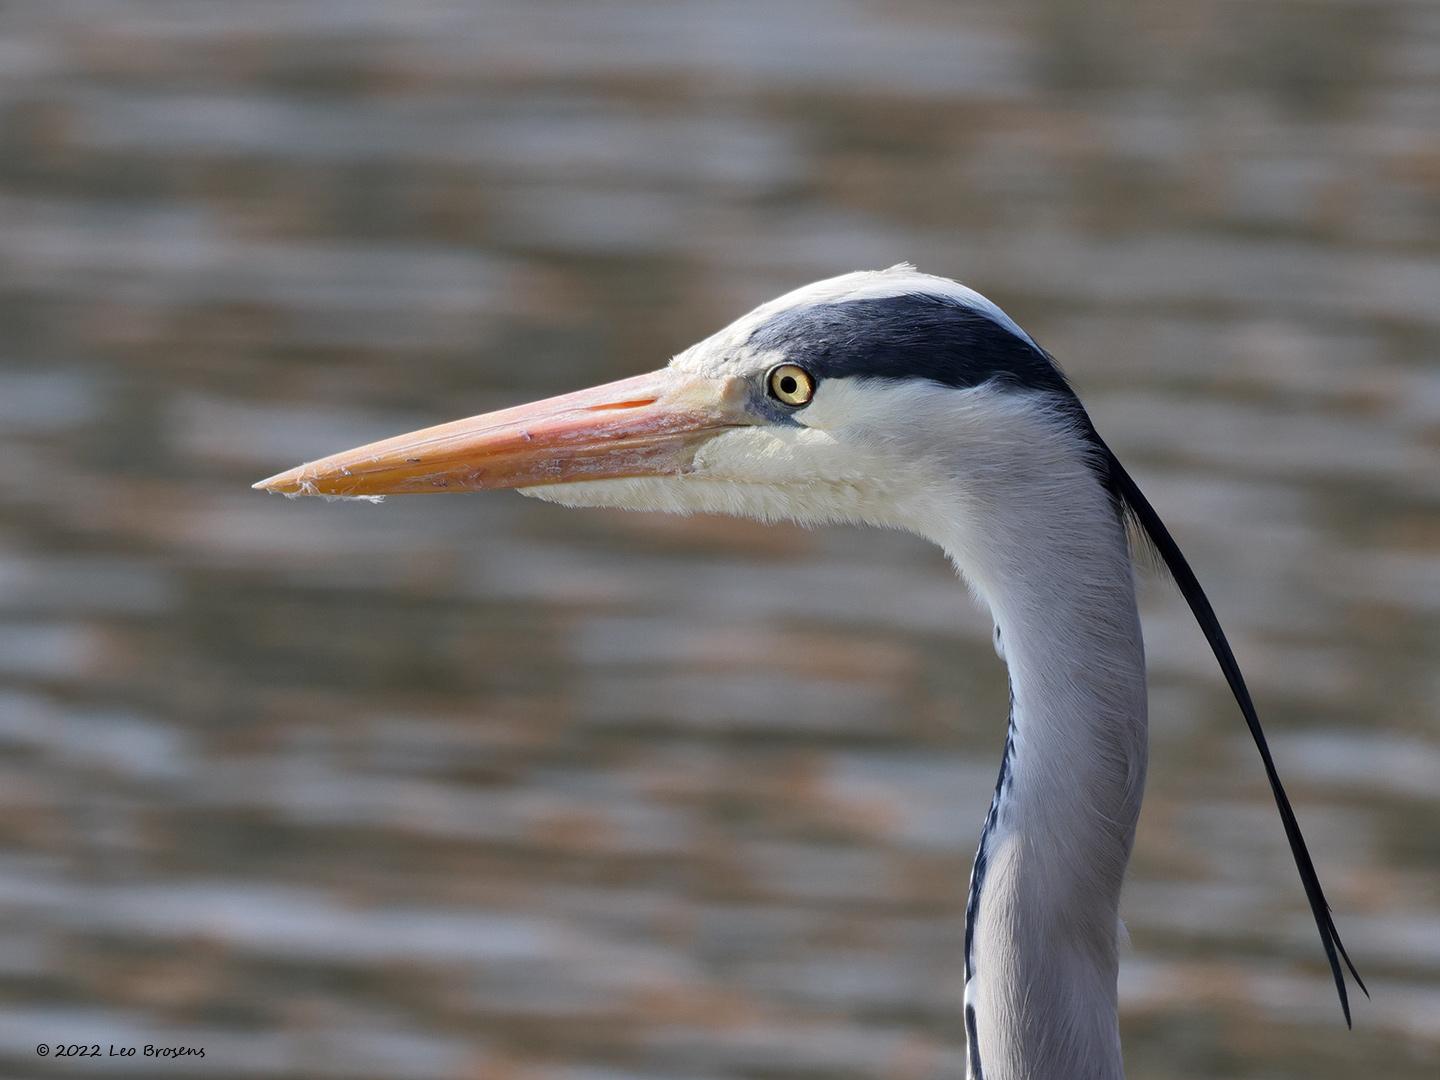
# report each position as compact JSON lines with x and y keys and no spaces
{"x":909,"y":336}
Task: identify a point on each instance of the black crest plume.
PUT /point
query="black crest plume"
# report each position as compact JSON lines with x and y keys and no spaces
{"x":1145,"y":517}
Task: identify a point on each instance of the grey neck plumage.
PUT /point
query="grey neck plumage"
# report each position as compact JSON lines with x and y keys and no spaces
{"x":1041,"y":939}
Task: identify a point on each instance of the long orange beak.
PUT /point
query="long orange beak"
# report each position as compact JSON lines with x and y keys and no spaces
{"x":650,"y":425}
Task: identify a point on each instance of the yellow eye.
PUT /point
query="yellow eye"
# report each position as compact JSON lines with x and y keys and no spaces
{"x":790,"y":384}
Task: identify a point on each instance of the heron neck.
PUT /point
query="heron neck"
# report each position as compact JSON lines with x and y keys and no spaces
{"x":1041,"y":945}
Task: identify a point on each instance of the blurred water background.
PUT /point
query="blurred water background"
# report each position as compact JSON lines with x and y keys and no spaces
{"x":478,"y":787}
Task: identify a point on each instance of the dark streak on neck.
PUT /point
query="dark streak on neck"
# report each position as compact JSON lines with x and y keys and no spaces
{"x":977,"y":882}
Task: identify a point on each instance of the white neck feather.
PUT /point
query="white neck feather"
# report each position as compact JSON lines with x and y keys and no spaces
{"x":1055,"y":570}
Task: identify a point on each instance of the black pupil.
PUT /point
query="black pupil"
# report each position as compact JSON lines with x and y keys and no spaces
{"x":788,"y":385}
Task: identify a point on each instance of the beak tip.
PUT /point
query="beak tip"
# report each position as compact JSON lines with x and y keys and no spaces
{"x":318,"y":479}
{"x":285,"y":483}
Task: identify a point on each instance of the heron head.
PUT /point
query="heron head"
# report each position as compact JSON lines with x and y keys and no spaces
{"x":853,"y":399}
{"x":892,"y":398}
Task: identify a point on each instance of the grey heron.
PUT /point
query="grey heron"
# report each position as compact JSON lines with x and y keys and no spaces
{"x":898,"y":399}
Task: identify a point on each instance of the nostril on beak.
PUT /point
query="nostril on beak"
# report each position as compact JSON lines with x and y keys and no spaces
{"x":636,"y":404}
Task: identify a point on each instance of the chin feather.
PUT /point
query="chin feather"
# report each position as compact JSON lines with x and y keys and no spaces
{"x":769,"y":475}
{"x":805,"y":503}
